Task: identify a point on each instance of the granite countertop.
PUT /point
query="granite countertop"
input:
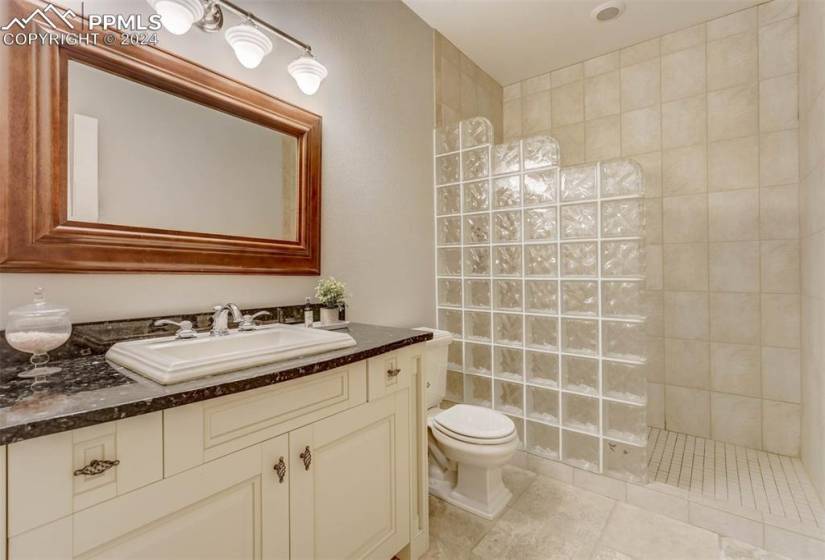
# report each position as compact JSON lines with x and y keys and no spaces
{"x":91,"y":390}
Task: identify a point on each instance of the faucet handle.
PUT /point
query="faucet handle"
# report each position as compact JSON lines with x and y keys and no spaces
{"x":185,"y":329}
{"x":248,"y":322}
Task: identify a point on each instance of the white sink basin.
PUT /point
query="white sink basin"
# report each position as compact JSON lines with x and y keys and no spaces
{"x":169,"y":360}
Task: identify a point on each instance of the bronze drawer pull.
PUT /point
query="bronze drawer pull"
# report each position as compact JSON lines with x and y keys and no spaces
{"x":307,"y":457}
{"x":97,"y":466}
{"x":280,"y":468}
{"x":393,"y":372}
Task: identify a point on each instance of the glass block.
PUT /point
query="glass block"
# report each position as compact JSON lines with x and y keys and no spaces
{"x":622,"y":299}
{"x":621,"y":177}
{"x":449,"y":262}
{"x":580,"y":413}
{"x":540,"y":151}
{"x":508,"y":329}
{"x":448,"y":200}
{"x":477,"y":325}
{"x":579,"y":298}
{"x":506,"y":192}
{"x":541,"y":187}
{"x":543,"y":405}
{"x":476,"y":163}
{"x":627,"y":382}
{"x":446,"y":169}
{"x":449,"y":231}
{"x":627,"y":341}
{"x":627,"y":462}
{"x":625,"y":422}
{"x":477,"y":261}
{"x":476,"y":229}
{"x":476,"y":196}
{"x":622,"y":218}
{"x":542,"y":440}
{"x":542,"y":368}
{"x":507,"y":226}
{"x":478,"y":391}
{"x":509,"y":363}
{"x":455,"y":386}
{"x":579,"y":259}
{"x":622,"y":258}
{"x":581,"y":450}
{"x":507,"y":158}
{"x":507,"y":260}
{"x":542,"y":332}
{"x":475,"y":132}
{"x":580,"y":375}
{"x":519,"y":424}
{"x":541,"y":296}
{"x":579,"y":221}
{"x":580,"y":336}
{"x":450,"y":320}
{"x":477,"y":293}
{"x":455,"y":355}
{"x":540,"y":224}
{"x":446,"y":139}
{"x":541,"y":260}
{"x":578,"y":183}
{"x":509,"y":397}
{"x":478,"y":358}
{"x":449,"y":291}
{"x":507,"y":294}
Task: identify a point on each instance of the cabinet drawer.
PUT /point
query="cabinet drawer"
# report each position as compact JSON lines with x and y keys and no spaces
{"x":200,"y":432}
{"x":44,"y":478}
{"x":388,"y":373}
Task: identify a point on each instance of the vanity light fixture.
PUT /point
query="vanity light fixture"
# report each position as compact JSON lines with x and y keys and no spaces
{"x":247,"y":39}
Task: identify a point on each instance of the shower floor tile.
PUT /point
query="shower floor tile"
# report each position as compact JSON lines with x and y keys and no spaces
{"x":773,"y":484}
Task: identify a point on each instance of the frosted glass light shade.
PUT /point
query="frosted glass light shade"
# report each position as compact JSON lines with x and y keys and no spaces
{"x":177,"y":16}
{"x":249,"y":43}
{"x":308,"y":73}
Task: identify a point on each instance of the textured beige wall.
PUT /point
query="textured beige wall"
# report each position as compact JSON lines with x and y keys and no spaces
{"x":812,"y":199}
{"x":710,"y":114}
{"x":462,"y":89}
{"x":377,"y":106}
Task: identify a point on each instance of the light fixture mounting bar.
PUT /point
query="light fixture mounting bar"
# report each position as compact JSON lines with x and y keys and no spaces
{"x":271,"y":28}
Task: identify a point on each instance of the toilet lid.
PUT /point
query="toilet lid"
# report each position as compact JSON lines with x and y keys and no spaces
{"x":475,"y":422}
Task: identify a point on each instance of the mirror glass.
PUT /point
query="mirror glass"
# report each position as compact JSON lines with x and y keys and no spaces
{"x":142,"y":157}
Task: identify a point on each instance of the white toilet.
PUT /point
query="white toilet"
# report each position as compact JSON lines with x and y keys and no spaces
{"x":468,"y":444}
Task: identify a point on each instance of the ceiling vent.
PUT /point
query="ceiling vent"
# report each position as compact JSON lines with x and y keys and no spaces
{"x":607,"y":11}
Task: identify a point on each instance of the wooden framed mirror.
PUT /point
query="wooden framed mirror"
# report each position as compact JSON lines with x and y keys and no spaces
{"x":124,"y":158}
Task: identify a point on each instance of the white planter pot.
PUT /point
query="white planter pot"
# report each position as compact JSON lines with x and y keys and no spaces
{"x":329,"y":315}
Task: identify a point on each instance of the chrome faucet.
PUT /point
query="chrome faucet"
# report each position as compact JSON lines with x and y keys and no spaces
{"x":220,"y":318}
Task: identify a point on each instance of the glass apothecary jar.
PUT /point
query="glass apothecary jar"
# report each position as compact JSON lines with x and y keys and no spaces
{"x":37,"y":328}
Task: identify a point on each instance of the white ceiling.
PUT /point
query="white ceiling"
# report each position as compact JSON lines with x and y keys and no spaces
{"x":517,"y":39}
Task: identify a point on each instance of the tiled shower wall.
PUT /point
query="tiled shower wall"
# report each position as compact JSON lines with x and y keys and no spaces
{"x":540,"y":272}
{"x":710,"y":113}
{"x":462,"y":89}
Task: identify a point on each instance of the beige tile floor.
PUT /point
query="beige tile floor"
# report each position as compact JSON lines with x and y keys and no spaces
{"x":547,"y":519}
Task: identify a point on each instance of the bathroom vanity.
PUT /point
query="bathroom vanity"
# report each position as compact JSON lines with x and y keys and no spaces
{"x":321,"y":457}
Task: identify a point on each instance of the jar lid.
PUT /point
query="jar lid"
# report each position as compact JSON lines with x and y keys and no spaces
{"x":39,"y":307}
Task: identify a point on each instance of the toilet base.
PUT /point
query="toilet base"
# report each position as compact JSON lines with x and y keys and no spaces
{"x":477,"y":490}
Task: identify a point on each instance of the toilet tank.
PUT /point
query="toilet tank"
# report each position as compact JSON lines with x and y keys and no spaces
{"x":436,"y":365}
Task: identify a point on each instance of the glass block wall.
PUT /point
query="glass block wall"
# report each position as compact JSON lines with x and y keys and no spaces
{"x":540,"y":272}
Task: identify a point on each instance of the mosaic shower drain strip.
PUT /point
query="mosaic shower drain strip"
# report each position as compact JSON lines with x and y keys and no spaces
{"x":539,"y":278}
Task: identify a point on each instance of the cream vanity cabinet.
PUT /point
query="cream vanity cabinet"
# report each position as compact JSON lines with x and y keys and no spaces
{"x":325,"y":466}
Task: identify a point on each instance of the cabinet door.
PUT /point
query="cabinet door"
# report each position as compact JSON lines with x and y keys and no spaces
{"x":232,"y":508}
{"x":349,"y":496}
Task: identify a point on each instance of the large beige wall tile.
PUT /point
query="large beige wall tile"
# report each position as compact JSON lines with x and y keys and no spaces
{"x":535,"y":113}
{"x":684,"y":39}
{"x":779,"y":158}
{"x":572,"y":138}
{"x":736,"y":419}
{"x":602,"y":95}
{"x":780,"y":320}
{"x":641,"y":131}
{"x":781,"y":374}
{"x":683,"y":73}
{"x":777,"y":10}
{"x":733,"y":164}
{"x":684,"y":170}
{"x":602,"y":138}
{"x":656,"y":405}
{"x":732,"y":61}
{"x":733,"y":112}
{"x":535,"y":84}
{"x":734,"y":215}
{"x":778,"y":48}
{"x":652,"y":168}
{"x":779,"y":212}
{"x":654,"y":275}
{"x":778,"y":106}
{"x":567,"y":104}
{"x":687,"y":410}
{"x":735,"y":368}
{"x":601,"y":64}
{"x":734,"y":266}
{"x":640,"y":85}
{"x":684,"y":122}
{"x":512,"y":118}
{"x":734,"y":318}
{"x":640,"y":52}
{"x":687,"y":363}
{"x":733,"y":24}
{"x":781,"y":423}
{"x":511,"y":92}
{"x":686,"y":315}
{"x":685,"y":266}
{"x":685,"y":218}
{"x":780,"y":266}
{"x":566,"y":75}
{"x":653,"y":220}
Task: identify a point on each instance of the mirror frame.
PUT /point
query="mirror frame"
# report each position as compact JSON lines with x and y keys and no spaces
{"x":35,"y":232}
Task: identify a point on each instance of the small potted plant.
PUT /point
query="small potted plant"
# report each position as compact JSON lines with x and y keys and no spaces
{"x":332,"y":294}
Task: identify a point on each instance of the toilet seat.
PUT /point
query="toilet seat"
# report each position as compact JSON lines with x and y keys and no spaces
{"x":474,"y":424}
